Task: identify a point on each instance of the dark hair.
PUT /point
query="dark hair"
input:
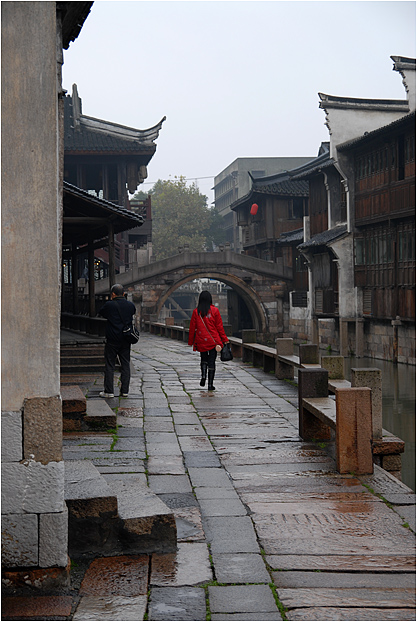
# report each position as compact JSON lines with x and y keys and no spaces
{"x":204,"y":302}
{"x":117,"y":289}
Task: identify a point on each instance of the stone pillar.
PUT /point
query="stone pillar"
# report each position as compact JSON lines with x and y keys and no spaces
{"x":335,"y":366}
{"x":284,"y":347}
{"x":309,"y":353}
{"x":112,"y":264}
{"x":249,"y":335}
{"x":312,"y":383}
{"x":371,"y":377}
{"x":354,"y":431}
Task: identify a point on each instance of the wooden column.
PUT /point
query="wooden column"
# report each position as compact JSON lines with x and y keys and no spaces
{"x":91,"y":281}
{"x":112,"y":267}
{"x":74,"y":276}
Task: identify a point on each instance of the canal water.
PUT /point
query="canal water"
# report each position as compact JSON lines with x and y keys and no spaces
{"x":398,"y":407}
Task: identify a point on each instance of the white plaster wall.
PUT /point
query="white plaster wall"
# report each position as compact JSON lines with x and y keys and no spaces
{"x":31,"y":229}
{"x":347,"y":123}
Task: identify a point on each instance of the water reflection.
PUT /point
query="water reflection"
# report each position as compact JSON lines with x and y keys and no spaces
{"x":398,"y":407}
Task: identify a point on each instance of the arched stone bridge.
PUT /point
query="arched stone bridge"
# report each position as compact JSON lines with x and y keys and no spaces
{"x":261,"y":284}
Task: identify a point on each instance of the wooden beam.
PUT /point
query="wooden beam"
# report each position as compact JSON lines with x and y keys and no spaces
{"x":112,"y":264}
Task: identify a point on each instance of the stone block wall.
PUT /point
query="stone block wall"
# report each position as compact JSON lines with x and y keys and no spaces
{"x":379,"y":341}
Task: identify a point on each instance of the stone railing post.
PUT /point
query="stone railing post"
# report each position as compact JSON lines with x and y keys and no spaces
{"x":335,"y":366}
{"x":309,"y":353}
{"x":284,"y":347}
{"x":371,"y":377}
{"x":312,"y":383}
{"x":354,"y":431}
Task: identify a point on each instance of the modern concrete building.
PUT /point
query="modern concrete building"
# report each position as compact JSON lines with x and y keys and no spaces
{"x":234,"y":183}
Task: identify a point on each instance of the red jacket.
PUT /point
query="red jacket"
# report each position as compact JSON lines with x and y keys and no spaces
{"x":208,"y":332}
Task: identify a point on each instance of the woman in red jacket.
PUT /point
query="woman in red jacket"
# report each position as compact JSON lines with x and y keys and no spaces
{"x":207,"y":336}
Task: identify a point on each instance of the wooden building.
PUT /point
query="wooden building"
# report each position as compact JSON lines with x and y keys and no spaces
{"x":384,"y":168}
{"x":110,"y":161}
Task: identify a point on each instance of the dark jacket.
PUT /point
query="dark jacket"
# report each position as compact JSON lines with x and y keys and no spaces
{"x":208,"y":332}
{"x":117,"y":321}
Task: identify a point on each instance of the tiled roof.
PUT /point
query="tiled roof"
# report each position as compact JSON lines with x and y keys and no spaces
{"x":324,"y":238}
{"x":286,"y":187}
{"x":80,"y":204}
{"x":87,"y":134}
{"x":313,"y":167}
{"x":291,"y":237}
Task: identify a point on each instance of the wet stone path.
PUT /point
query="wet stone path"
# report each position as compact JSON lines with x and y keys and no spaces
{"x":267,"y":529}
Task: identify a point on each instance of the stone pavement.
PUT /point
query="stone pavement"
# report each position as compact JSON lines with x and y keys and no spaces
{"x":267,"y":530}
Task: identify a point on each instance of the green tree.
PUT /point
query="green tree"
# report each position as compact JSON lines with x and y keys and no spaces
{"x":180,"y":216}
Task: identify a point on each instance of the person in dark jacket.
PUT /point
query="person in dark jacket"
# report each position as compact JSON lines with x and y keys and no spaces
{"x":119,"y":312}
{"x":207,"y":336}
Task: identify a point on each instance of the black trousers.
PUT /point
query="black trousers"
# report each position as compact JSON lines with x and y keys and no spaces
{"x":209,"y":358}
{"x":122,"y":350}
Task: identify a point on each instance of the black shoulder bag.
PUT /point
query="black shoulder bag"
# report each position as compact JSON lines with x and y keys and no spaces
{"x":130,"y":332}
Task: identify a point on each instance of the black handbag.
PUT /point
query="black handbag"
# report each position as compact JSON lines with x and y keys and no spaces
{"x":226,"y":353}
{"x":130,"y":332}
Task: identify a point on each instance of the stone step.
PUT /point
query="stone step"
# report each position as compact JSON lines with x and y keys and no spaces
{"x":147,"y":524}
{"x":81,"y":369}
{"x":113,"y":517}
{"x":73,"y":400}
{"x":99,"y":415}
{"x":74,"y":359}
{"x":82,"y":349}
{"x":92,"y":510}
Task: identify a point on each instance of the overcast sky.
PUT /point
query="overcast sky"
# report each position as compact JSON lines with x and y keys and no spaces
{"x":234,"y":79}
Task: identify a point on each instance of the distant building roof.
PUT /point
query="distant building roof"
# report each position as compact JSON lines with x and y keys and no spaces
{"x":291,"y":237}
{"x":324,"y":238}
{"x":311,"y":168}
{"x":85,"y":134}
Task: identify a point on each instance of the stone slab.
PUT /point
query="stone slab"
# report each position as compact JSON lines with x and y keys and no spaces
{"x":231,"y":534}
{"x":169,"y":483}
{"x":112,"y":608}
{"x":222,"y":507}
{"x":189,"y":525}
{"x":379,"y":530}
{"x":210,"y":492}
{"x":20,"y":539}
{"x":11,"y":437}
{"x":408,"y":513}
{"x":166,"y":465}
{"x":190,"y":565}
{"x":163,"y":449}
{"x":195,"y":443}
{"x":32,"y":487}
{"x":53,"y":539}
{"x":121,"y":575}
{"x":348,"y":614}
{"x":240,"y":568}
{"x":158,"y":424}
{"x":179,"y":500}
{"x":346,"y":563}
{"x":136,"y":443}
{"x":42,"y":424}
{"x":36,"y":607}
{"x":294,"y":579}
{"x":241,"y":599}
{"x":190,"y":429}
{"x":177,"y":603}
{"x":213,"y":477}
{"x":201,"y":459}
{"x":347,"y":597}
{"x":224,"y":617}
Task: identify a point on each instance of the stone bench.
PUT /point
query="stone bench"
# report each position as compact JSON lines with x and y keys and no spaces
{"x":349,"y":415}
{"x":286,"y":360}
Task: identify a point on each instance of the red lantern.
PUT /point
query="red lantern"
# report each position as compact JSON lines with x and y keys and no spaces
{"x":254,"y":209}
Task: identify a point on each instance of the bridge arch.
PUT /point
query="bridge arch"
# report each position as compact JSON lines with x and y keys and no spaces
{"x":249,"y":295}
